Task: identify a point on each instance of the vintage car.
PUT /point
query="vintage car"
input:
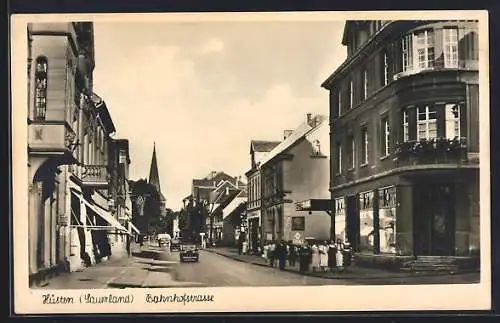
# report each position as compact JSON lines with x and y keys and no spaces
{"x":175,"y":245}
{"x":163,"y":240}
{"x":189,"y":252}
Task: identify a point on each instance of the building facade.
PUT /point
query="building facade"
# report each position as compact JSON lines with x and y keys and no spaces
{"x":295,"y":170}
{"x":68,"y":136}
{"x":258,"y":150}
{"x":404,"y":115}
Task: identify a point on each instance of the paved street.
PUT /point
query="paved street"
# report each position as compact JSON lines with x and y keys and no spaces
{"x":217,"y":271}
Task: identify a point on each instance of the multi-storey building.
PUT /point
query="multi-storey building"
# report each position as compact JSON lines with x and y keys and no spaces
{"x":404,"y":115}
{"x":68,"y":131}
{"x":258,"y":150}
{"x":295,"y":170}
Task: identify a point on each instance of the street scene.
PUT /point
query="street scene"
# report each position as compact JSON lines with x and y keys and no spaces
{"x":237,"y":153}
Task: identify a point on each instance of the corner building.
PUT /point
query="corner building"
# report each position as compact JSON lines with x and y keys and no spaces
{"x":404,"y":119}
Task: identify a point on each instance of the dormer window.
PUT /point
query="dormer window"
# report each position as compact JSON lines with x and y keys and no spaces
{"x":316,"y":148}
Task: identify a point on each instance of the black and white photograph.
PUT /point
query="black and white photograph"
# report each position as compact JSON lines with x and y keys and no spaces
{"x":284,"y":154}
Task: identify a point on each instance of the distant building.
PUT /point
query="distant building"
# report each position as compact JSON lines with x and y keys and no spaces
{"x":154,"y":179}
{"x":295,"y":170}
{"x":404,"y":115}
{"x":258,"y":150}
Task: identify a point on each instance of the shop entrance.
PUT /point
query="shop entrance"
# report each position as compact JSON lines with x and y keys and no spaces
{"x":434,"y":219}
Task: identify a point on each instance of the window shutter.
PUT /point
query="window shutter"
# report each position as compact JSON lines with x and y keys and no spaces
{"x":412,"y":123}
{"x":441,"y":119}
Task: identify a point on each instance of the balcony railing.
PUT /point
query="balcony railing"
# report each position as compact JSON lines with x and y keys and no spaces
{"x":431,"y":151}
{"x":95,"y":175}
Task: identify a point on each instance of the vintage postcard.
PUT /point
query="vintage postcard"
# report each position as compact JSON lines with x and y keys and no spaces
{"x":250,"y":162}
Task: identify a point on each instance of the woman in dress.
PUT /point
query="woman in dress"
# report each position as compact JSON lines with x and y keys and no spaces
{"x":323,"y":256}
{"x":340,"y":256}
{"x":315,"y":257}
{"x":332,"y":255}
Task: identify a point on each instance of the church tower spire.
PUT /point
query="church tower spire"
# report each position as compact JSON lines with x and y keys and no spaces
{"x":154,"y":178}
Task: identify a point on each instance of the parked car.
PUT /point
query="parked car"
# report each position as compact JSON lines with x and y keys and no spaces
{"x":189,"y":252}
{"x":175,"y":245}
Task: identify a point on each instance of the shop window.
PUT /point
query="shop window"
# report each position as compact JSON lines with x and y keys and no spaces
{"x":298,"y":223}
{"x":340,"y":219}
{"x":426,"y":122}
{"x":452,"y":122}
{"x":41,"y":73}
{"x":387,"y":219}
{"x":366,"y":221}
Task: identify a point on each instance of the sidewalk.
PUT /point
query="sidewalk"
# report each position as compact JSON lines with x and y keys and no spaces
{"x":357,"y":273}
{"x":141,"y":270}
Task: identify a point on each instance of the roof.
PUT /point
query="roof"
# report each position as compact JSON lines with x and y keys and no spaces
{"x":262,"y":145}
{"x":154,"y":178}
{"x":216,"y":177}
{"x":298,"y":134}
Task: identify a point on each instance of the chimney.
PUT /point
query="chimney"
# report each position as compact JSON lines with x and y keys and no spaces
{"x":287,"y":133}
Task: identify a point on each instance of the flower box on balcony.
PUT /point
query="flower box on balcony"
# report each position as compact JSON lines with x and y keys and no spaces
{"x":431,"y":151}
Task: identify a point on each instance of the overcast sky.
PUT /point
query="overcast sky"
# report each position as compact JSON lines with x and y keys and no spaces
{"x":203,"y":90}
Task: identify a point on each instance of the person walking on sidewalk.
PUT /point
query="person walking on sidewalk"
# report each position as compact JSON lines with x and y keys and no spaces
{"x":315,"y":257}
{"x":323,"y":256}
{"x":292,"y":254}
{"x":282,"y":255}
{"x":304,"y":258}
{"x":332,"y":252}
{"x":340,"y":256}
{"x":272,"y":253}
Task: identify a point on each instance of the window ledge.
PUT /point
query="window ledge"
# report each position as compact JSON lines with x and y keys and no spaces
{"x":364,"y":165}
{"x":385,"y":157}
{"x":318,"y":156}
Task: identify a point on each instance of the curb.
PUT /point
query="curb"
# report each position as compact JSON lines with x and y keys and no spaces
{"x":416,"y":275}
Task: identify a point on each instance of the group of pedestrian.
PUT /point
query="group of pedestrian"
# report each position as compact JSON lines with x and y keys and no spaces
{"x":318,"y":256}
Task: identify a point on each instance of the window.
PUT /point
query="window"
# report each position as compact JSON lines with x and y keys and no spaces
{"x":406,"y":133}
{"x":407,"y":52}
{"x":426,"y":123}
{"x":316,"y":148}
{"x":339,"y":158}
{"x":365,"y":84}
{"x":424,"y":47}
{"x":298,"y":223}
{"x":387,"y":219}
{"x":366,"y":221}
{"x":386,"y":69}
{"x":364,"y":146}
{"x":340,"y":104}
{"x":353,"y":153}
{"x":452,"y":122}
{"x":350,"y":95}
{"x":41,"y":88}
{"x":450,"y":47}
{"x":385,"y":132}
{"x":340,"y":220}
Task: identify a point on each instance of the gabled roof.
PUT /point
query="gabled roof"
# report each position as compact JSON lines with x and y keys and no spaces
{"x":216,"y":177}
{"x":298,"y":134}
{"x":262,"y":145}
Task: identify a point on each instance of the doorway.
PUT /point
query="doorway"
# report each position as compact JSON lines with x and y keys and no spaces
{"x":434,"y":219}
{"x":352,"y":222}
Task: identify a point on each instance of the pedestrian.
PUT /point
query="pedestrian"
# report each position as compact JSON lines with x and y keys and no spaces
{"x":304,"y":258}
{"x":340,"y":256}
{"x":245,"y":247}
{"x":332,"y":252}
{"x":292,"y":255}
{"x":272,"y":251}
{"x":128,"y":245}
{"x":347,"y":254}
{"x":282,"y":255}
{"x":323,"y":257}
{"x":315,"y":257}
{"x":265,"y":251}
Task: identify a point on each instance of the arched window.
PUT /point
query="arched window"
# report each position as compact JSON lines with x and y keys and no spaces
{"x":41,"y":88}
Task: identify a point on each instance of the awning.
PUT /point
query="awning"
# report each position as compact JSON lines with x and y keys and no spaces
{"x":133,"y":227}
{"x":103,"y":214}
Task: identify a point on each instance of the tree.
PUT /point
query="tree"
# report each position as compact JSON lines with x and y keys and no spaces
{"x":151,"y":210}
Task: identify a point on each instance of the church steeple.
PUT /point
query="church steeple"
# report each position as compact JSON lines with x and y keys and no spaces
{"x":154,"y":178}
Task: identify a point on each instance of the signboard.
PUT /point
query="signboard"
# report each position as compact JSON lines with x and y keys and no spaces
{"x":298,"y":223}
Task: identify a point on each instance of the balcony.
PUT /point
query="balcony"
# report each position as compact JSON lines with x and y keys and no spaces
{"x":51,"y":139}
{"x":95,"y":176}
{"x":432,"y":151}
